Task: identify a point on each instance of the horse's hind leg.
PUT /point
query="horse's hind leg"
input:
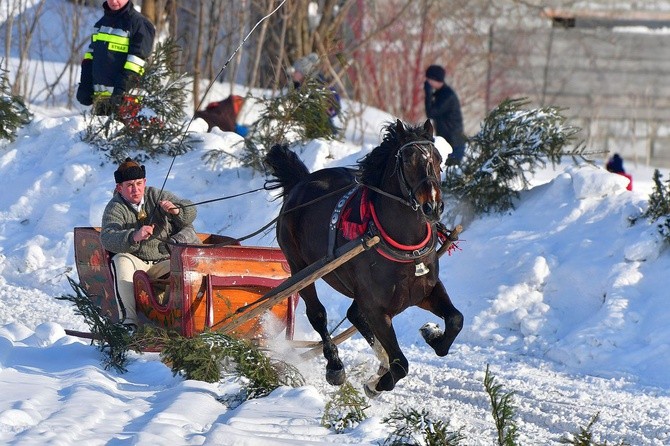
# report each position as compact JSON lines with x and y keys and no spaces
{"x":439,"y":303}
{"x":316,"y":313}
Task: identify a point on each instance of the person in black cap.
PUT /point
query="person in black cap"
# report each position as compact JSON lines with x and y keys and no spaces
{"x":139,"y":224}
{"x":444,"y":109}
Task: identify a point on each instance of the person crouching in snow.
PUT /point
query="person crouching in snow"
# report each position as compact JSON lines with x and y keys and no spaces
{"x":615,"y":165}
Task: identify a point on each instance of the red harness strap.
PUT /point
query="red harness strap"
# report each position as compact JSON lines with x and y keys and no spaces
{"x":352,"y":226}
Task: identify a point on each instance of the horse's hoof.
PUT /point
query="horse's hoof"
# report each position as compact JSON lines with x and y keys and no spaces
{"x":431,"y":332}
{"x":336,"y":377}
{"x":369,"y":392}
{"x":436,"y":339}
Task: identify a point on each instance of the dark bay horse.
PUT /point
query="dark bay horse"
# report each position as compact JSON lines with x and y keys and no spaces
{"x":395,"y":192}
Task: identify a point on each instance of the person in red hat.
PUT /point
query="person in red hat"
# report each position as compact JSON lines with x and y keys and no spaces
{"x":139,"y":224}
{"x":444,"y":109}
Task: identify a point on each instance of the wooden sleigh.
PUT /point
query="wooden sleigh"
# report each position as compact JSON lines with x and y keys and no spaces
{"x":206,"y":287}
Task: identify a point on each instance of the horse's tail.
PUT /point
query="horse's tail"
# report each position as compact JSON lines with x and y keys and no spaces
{"x":286,"y":167}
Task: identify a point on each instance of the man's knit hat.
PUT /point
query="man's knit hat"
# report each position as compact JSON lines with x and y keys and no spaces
{"x":129,"y":170}
{"x":436,"y":73}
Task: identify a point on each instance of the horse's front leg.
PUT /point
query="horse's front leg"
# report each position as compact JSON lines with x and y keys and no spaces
{"x":358,"y":320}
{"x":316,"y":314}
{"x":393,"y":363}
{"x":439,"y":303}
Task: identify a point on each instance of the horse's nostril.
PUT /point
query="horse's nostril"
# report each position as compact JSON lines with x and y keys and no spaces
{"x":427,"y":208}
{"x":440,"y":208}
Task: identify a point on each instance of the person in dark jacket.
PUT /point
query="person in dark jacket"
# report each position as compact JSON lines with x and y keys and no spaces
{"x":444,"y":109}
{"x":615,"y":165}
{"x":139,"y":225}
{"x":121,"y":42}
{"x":307,"y":67}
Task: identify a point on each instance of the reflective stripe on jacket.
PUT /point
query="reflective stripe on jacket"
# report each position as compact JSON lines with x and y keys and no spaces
{"x":120,"y":45}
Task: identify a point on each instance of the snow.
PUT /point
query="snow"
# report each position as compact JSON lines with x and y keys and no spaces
{"x":563,"y":298}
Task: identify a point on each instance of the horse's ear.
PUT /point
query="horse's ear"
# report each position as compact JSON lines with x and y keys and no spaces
{"x":428,"y":127}
{"x":400,"y":127}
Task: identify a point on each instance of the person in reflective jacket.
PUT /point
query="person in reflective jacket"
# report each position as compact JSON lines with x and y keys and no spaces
{"x":121,"y":43}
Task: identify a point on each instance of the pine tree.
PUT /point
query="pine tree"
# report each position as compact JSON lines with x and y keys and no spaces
{"x":659,"y":205}
{"x":296,"y":117}
{"x":13,"y":111}
{"x":150,"y":122}
{"x":512,"y":143}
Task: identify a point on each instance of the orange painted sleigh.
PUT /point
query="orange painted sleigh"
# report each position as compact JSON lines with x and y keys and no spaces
{"x":210,"y":287}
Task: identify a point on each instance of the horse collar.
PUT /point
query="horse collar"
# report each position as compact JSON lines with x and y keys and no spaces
{"x":398,"y":252}
{"x":370,"y":224}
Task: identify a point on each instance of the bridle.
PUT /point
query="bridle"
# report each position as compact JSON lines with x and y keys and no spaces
{"x":388,"y":247}
{"x":425,"y":148}
{"x":407,"y":190}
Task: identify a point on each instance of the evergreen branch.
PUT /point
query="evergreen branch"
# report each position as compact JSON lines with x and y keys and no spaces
{"x":110,"y":338}
{"x":585,"y":436}
{"x":345,"y":410}
{"x":658,"y":210}
{"x":412,"y":427}
{"x":13,"y":111}
{"x":503,"y":411}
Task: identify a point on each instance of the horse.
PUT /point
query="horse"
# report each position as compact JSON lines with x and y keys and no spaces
{"x":394,"y":192}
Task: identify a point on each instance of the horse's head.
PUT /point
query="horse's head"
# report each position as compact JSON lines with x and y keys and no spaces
{"x":406,"y":166}
{"x":418,"y":166}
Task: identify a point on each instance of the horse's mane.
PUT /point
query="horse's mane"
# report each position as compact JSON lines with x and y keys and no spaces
{"x":373,"y":164}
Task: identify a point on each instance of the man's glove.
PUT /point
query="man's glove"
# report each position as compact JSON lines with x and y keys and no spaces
{"x":84,"y":95}
{"x":85,"y":88}
{"x":427,"y":88}
{"x":108,"y":106}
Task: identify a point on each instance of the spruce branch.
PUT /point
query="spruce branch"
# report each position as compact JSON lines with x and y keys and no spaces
{"x":416,"y":428}
{"x":345,"y":410}
{"x":503,"y":410}
{"x":13,"y":112}
{"x":585,"y":436}
{"x":296,"y":117}
{"x":110,"y":338}
{"x":658,"y":210}
{"x":512,"y":144}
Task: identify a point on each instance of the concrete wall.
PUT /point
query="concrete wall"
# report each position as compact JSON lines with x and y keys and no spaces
{"x":614,"y":85}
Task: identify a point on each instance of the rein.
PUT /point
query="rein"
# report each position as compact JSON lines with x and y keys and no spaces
{"x":412,"y":202}
{"x":211,"y":83}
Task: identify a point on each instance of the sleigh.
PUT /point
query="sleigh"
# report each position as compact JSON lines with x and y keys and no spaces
{"x":207,"y":286}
